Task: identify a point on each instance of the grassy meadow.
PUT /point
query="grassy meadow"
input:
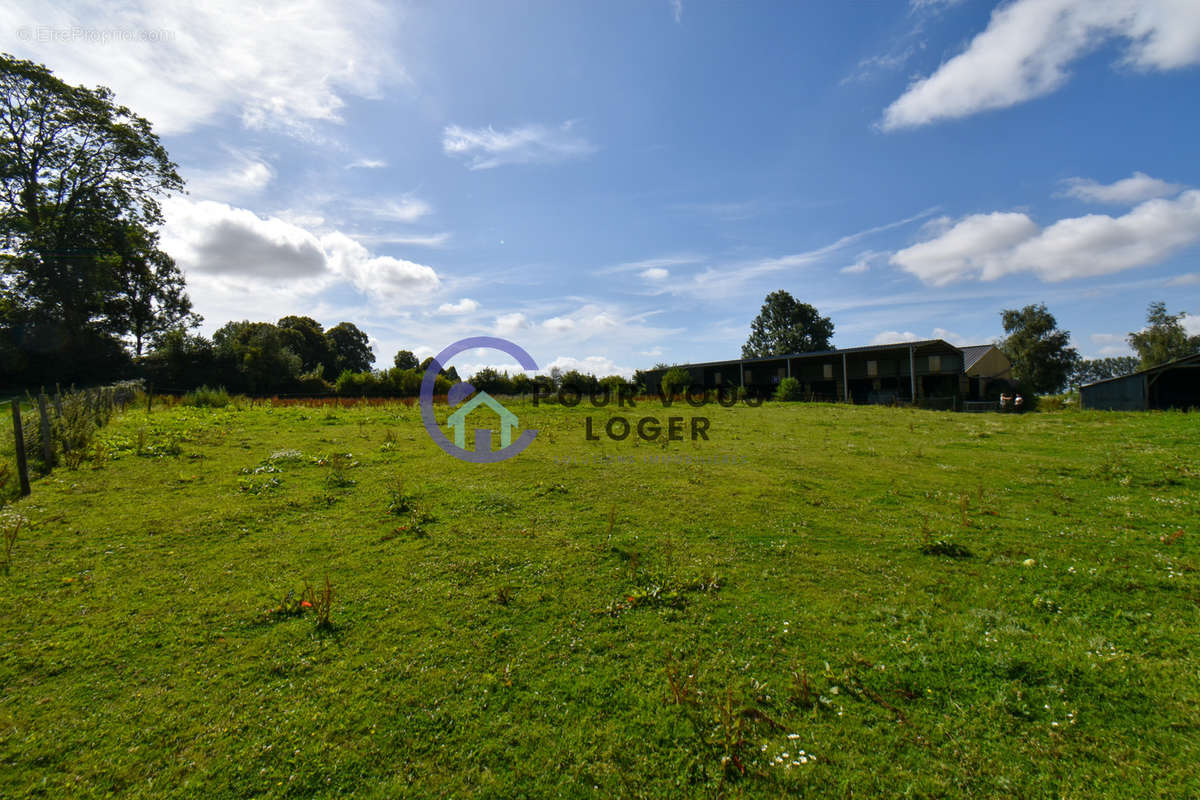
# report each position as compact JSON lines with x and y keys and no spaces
{"x":828,"y":601}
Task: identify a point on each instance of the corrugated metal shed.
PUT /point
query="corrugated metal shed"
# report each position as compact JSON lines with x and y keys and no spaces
{"x":1175,"y":384}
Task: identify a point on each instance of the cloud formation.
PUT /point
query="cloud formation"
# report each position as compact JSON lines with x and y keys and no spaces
{"x":464,"y":306}
{"x":235,"y":246}
{"x":1137,"y":187}
{"x":1028,"y":45}
{"x":273,"y":64}
{"x":485,"y":148}
{"x":988,"y":246}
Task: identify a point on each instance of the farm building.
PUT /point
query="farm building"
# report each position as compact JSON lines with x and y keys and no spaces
{"x":1175,"y":384}
{"x":985,"y":366}
{"x":931,"y":372}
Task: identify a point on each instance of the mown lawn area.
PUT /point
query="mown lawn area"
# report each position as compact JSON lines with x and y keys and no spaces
{"x":850,"y":602}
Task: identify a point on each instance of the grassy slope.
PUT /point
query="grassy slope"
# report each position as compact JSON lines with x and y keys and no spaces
{"x":493,"y":649}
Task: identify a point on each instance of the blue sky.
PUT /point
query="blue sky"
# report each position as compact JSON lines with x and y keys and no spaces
{"x":613,"y":185}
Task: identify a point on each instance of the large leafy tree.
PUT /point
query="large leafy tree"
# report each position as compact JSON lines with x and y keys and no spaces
{"x":80,"y":178}
{"x":150,"y":298}
{"x":256,"y":354}
{"x":1164,"y":338}
{"x":405,"y":359}
{"x":1041,"y":354}
{"x":785,"y":325}
{"x":351,"y":347}
{"x":306,"y":338}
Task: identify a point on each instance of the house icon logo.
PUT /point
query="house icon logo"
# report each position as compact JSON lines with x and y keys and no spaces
{"x":483,"y":436}
{"x":482,"y":452}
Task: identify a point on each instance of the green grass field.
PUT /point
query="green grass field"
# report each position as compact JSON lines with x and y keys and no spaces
{"x":869,"y":602}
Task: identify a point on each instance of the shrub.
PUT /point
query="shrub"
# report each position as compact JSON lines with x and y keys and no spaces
{"x":314,"y":383}
{"x":675,"y":380}
{"x":357,"y":384}
{"x":207,"y":397}
{"x":788,"y":389}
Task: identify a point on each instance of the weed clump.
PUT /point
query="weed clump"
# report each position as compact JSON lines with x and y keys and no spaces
{"x":943,"y":548}
{"x":207,"y":397}
{"x":318,"y":602}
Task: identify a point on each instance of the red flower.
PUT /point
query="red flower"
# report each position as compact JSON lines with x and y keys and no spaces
{"x":305,"y":604}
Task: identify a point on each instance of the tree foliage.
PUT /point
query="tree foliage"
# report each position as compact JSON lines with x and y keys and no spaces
{"x":675,"y":380}
{"x":785,"y":325}
{"x":789,"y":389}
{"x":351,"y":347}
{"x":1100,"y":369}
{"x":1041,"y":354}
{"x":1164,"y":338}
{"x":80,"y":178}
{"x":406,"y":360}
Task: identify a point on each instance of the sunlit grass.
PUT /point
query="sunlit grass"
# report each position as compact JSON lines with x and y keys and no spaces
{"x":857,"y":602}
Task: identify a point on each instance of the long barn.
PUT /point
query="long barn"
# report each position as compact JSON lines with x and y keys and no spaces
{"x":930,"y":372}
{"x":1175,"y":384}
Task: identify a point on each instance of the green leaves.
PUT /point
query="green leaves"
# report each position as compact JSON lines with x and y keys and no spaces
{"x":787,"y":326}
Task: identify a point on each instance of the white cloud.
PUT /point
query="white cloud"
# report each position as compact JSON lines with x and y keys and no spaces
{"x":655,"y":274}
{"x":484,"y":148}
{"x":600,"y":366}
{"x":989,"y":246}
{"x":966,"y":247}
{"x":219,"y":239}
{"x":1134,"y":189}
{"x":1028,"y":45}
{"x":405,"y":209}
{"x":893,"y":337}
{"x":863,"y":262}
{"x":507,"y":324}
{"x":677,"y":10}
{"x":367,"y":163}
{"x":413,"y":239}
{"x":273,"y":64}
{"x":383,"y":277}
{"x":949,"y":336}
{"x":464,"y":306}
{"x":234,"y":247}
{"x":246,"y":175}
{"x":1110,"y":344}
{"x":1098,"y":244}
{"x":559,"y":324}
{"x":1191,"y":324}
{"x":1187,"y":279}
{"x":648,"y":264}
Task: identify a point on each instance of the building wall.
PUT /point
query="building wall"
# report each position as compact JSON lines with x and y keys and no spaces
{"x":994,"y":364}
{"x":1122,"y":394}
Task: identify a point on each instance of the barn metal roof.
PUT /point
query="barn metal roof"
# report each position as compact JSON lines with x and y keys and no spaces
{"x":974,"y":352}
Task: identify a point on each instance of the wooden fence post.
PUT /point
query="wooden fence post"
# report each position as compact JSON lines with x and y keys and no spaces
{"x":19,"y":441}
{"x":47,"y":441}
